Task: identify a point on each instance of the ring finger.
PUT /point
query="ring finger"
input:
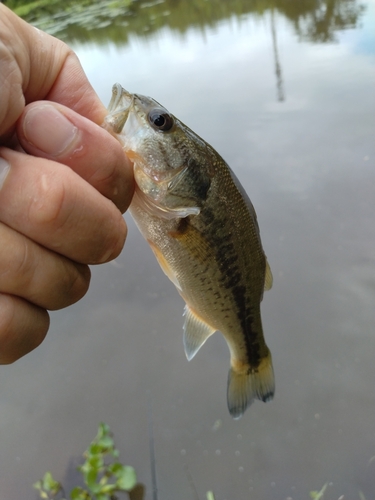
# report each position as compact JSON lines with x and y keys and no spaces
{"x":38,"y":275}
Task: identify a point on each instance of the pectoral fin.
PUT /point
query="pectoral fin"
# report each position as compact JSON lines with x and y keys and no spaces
{"x":163,"y":212}
{"x":196,"y":332}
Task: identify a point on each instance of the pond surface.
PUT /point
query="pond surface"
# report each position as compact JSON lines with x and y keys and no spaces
{"x":287,"y":98}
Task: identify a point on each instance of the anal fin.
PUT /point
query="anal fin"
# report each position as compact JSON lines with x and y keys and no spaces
{"x":196,"y":332}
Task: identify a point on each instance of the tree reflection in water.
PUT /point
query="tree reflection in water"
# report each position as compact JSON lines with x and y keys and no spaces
{"x":87,"y":20}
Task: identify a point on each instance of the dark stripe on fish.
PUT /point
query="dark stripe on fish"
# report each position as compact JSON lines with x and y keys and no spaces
{"x":227,"y":258}
{"x":246,"y":318}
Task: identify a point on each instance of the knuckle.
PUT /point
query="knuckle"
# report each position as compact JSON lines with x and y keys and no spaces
{"x":113,"y":245}
{"x":16,"y":260}
{"x":78,"y":284}
{"x":22,"y":328}
{"x":48,"y":206}
{"x":7,"y":315}
{"x":107,"y":177}
{"x":72,"y":286}
{"x":22,"y":264}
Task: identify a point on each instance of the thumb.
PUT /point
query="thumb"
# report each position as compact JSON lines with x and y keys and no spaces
{"x":36,"y":66}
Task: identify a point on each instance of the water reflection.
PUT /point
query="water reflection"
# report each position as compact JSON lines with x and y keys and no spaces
{"x":278,"y":72}
{"x":84,"y":21}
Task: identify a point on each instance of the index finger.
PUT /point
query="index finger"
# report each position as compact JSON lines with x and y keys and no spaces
{"x":53,"y":206}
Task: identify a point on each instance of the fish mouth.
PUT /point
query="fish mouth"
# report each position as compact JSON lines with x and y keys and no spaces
{"x":118,"y":108}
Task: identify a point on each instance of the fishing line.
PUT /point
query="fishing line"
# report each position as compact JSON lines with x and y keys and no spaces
{"x":151,"y":441}
{"x":191,"y":482}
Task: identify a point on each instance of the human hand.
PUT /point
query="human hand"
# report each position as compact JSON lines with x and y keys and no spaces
{"x":64,"y":182}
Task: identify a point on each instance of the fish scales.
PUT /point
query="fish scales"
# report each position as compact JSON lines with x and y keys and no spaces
{"x":203,"y":230}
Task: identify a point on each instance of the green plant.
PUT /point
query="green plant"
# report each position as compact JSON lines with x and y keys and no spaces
{"x":318,"y":495}
{"x":48,"y":487}
{"x":103,"y":475}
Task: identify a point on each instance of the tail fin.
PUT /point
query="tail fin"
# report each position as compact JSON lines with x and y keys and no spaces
{"x":248,"y":384}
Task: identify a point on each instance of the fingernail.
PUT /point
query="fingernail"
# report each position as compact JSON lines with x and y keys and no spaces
{"x":4,"y":170}
{"x":49,"y":130}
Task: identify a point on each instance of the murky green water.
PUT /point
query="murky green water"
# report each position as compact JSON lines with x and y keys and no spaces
{"x":285,"y":92}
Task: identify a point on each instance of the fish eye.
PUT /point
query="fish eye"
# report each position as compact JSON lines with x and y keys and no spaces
{"x":160,"y":120}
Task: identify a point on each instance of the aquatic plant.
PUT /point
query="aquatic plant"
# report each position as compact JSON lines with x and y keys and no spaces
{"x":103,"y":475}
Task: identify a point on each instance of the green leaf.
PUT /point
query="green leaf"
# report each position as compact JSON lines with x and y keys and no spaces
{"x":84,"y":468}
{"x":103,"y":496}
{"x":96,"y":462}
{"x":94,"y":449}
{"x":108,"y":488}
{"x":210,"y":495}
{"x":115,"y":468}
{"x":49,"y":484}
{"x":90,"y":480}
{"x":38,"y":485}
{"x":79,"y":493}
{"x":104,"y":429}
{"x":104,"y":436}
{"x":318,"y":495}
{"x":106,"y":442}
{"x":126,"y":478}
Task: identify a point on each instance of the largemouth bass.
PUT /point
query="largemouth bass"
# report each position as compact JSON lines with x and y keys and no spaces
{"x":203,"y":230}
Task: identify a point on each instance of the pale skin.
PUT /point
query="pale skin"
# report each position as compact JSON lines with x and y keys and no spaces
{"x":64,"y":182}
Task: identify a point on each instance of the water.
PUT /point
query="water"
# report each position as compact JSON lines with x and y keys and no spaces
{"x":289,"y":103}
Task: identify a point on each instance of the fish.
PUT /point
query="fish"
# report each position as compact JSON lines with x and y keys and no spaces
{"x":202,"y":227}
